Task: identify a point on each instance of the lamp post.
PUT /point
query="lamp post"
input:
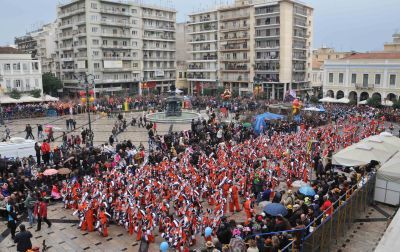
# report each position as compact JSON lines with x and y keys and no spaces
{"x":87,"y":81}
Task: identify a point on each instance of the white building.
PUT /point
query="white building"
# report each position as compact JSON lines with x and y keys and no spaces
{"x":122,"y":44}
{"x":19,"y":71}
{"x":363,"y":75}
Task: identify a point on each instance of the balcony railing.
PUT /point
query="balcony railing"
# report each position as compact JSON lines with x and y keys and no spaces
{"x":71,"y":12}
{"x":115,"y":11}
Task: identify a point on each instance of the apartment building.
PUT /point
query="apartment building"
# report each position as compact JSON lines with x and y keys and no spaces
{"x":19,"y":71}
{"x":258,"y":42}
{"x":40,"y":44}
{"x":363,"y":75}
{"x":203,"y":67}
{"x":122,"y":44}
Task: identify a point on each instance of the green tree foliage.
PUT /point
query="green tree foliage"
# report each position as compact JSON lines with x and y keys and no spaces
{"x":374,"y":102}
{"x":15,"y":94}
{"x":36,"y":93}
{"x":51,"y":84}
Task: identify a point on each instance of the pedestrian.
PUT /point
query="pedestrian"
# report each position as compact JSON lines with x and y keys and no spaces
{"x":30,"y":206}
{"x":67,"y":124}
{"x":37,"y":150}
{"x":45,"y":148}
{"x":23,"y":239}
{"x":41,"y":213}
{"x":28,"y":130}
{"x":12,"y":217}
{"x":8,"y":132}
{"x":40,"y":131}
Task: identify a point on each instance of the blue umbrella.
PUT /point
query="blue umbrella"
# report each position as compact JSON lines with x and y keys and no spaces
{"x":275,"y":209}
{"x":307,"y":191}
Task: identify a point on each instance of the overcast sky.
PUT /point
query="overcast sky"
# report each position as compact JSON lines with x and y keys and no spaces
{"x":361,"y":25}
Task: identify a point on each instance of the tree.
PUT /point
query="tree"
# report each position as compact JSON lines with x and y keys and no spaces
{"x":36,"y":93}
{"x":374,"y":102}
{"x":15,"y":94}
{"x":396,"y":104}
{"x":51,"y":84}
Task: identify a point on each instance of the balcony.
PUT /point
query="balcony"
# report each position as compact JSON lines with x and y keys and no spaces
{"x":159,"y":28}
{"x":202,"y":20}
{"x":267,"y":48}
{"x":158,"y":17}
{"x":117,"y":58}
{"x":267,"y":58}
{"x":160,"y":37}
{"x":227,"y":28}
{"x":234,"y":47}
{"x":114,"y":23}
{"x":115,"y":35}
{"x":154,"y":48}
{"x":66,"y":48}
{"x":227,"y":38}
{"x":65,"y":25}
{"x":115,"y":47}
{"x":235,"y":60}
{"x":113,"y":70}
{"x":202,"y":40}
{"x":115,"y":12}
{"x":72,"y":12}
{"x":235,"y":79}
{"x":228,"y":17}
{"x":160,"y":58}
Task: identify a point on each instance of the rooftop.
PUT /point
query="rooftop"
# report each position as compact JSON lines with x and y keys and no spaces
{"x":10,"y":50}
{"x":374,"y":55}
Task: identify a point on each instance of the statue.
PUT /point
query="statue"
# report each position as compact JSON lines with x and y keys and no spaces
{"x":173,"y":103}
{"x":226,"y":95}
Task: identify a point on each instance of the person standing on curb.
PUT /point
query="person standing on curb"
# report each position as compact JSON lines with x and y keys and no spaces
{"x":41,"y":213}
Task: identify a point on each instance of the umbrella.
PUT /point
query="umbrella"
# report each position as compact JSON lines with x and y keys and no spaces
{"x":307,"y":191}
{"x":275,"y":209}
{"x":247,"y":125}
{"x":64,"y":171}
{"x":50,"y":172}
{"x":299,"y":183}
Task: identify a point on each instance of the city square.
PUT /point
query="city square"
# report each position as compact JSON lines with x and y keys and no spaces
{"x":213,"y":126}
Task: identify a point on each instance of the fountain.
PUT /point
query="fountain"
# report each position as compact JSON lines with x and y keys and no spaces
{"x":173,"y":112}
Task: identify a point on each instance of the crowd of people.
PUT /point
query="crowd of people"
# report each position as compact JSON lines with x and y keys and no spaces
{"x":192,"y":180}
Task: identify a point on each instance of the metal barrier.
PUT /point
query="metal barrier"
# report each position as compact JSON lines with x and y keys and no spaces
{"x":350,"y":205}
{"x":314,"y":237}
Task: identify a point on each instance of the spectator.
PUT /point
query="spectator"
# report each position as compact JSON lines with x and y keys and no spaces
{"x":23,"y":239}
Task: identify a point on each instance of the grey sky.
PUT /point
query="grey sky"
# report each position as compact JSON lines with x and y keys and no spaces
{"x":361,"y":25}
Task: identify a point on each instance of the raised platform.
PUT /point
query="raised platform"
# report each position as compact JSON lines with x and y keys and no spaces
{"x":186,"y":117}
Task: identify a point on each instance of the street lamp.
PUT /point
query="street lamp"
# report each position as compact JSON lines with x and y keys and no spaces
{"x":87,"y":81}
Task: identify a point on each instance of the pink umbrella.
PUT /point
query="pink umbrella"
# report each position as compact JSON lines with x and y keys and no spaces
{"x":50,"y":172}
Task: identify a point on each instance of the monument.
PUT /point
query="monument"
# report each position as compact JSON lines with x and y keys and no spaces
{"x":173,"y":104}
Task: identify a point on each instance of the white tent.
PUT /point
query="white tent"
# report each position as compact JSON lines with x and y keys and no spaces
{"x":361,"y":154}
{"x":343,"y":100}
{"x":49,"y":98}
{"x":313,"y":109}
{"x":27,"y":99}
{"x":387,"y":103}
{"x":364,"y":102}
{"x":7,"y":100}
{"x":387,"y":186}
{"x":328,"y":99}
{"x":387,"y":142}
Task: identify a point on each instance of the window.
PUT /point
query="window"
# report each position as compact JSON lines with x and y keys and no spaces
{"x":392,"y":80}
{"x":134,"y":11}
{"x":25,"y":66}
{"x":365,"y":80}
{"x":104,"y":42}
{"x":94,"y":6}
{"x":95,"y":42}
{"x":96,"y":53}
{"x":16,"y":66}
{"x":96,"y":65}
{"x":341,"y":78}
{"x":36,"y":83}
{"x":7,"y":67}
{"x":125,"y":76}
{"x":180,"y":75}
{"x":17,"y":83}
{"x":94,"y":29}
{"x":377,"y":79}
{"x":353,"y":78}
{"x":185,"y":75}
{"x":27,"y":84}
{"x":330,"y":77}
{"x":94,"y":18}
{"x":124,"y":43}
{"x":35,"y":66}
{"x":8,"y":84}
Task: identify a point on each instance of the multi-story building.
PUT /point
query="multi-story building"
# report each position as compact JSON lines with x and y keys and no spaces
{"x":317,"y":73}
{"x":19,"y":71}
{"x":258,"y":42}
{"x":41,"y":45}
{"x":363,"y":75}
{"x":120,"y":43}
{"x":393,"y":46}
{"x":203,"y":49}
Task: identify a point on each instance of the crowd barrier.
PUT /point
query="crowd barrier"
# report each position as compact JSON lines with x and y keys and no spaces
{"x":320,"y":237}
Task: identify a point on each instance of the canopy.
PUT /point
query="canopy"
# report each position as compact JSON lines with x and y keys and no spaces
{"x":364,"y":102}
{"x":328,"y":99}
{"x":383,"y":140}
{"x":314,"y":109}
{"x":49,"y":98}
{"x":260,"y":120}
{"x":343,"y":100}
{"x":387,"y":103}
{"x":28,"y":99}
{"x":7,"y":99}
{"x":390,"y":171}
{"x":362,"y":153}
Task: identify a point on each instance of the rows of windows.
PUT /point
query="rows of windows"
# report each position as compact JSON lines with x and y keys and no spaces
{"x":365,"y":79}
{"x":22,"y":84}
{"x":17,"y":66}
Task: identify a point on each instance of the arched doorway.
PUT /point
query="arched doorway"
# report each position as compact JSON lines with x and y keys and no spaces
{"x":330,"y":93}
{"x":391,"y":97}
{"x":339,"y":94}
{"x":377,"y":96}
{"x":364,"y":96}
{"x":353,"y":96}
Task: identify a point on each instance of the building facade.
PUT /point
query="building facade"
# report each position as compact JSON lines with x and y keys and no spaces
{"x":393,"y":46}
{"x":317,"y":73}
{"x":249,"y":43}
{"x":19,"y":71}
{"x":363,"y":75}
{"x":122,"y":44}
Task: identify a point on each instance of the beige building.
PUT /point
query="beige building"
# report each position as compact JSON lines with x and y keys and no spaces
{"x":122,"y":44}
{"x":181,"y":77}
{"x":393,"y":46}
{"x":363,"y":75}
{"x":182,"y":55}
{"x":253,"y":42}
